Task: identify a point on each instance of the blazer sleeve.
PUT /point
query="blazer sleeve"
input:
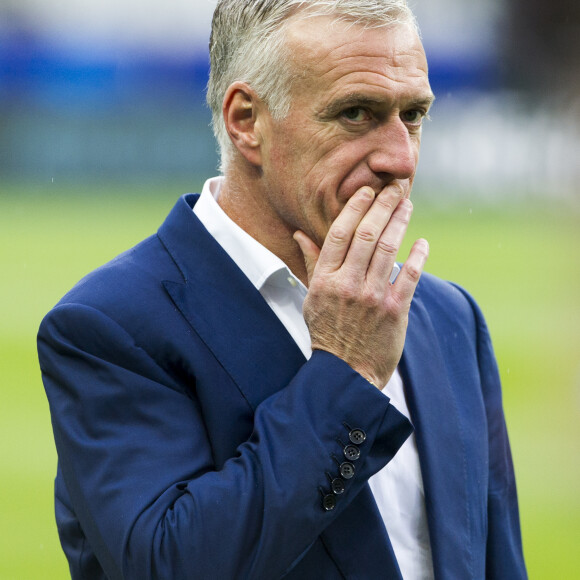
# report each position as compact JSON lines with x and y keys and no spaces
{"x":504,"y":557}
{"x":137,"y":462}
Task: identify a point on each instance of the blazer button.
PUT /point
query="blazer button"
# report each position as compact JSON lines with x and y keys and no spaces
{"x":329,"y":502}
{"x":357,"y":436}
{"x":337,"y":486}
{"x":347,"y":470}
{"x":351,"y":452}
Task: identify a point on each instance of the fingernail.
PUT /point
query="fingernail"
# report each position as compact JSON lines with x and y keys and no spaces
{"x":424,"y":245}
{"x":368,"y":192}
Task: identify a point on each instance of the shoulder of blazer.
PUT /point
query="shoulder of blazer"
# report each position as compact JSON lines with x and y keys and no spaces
{"x":445,"y":302}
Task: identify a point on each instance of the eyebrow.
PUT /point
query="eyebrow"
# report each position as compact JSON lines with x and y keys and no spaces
{"x":361,"y":100}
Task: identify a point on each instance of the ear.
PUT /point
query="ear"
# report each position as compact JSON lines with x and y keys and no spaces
{"x":243,"y":111}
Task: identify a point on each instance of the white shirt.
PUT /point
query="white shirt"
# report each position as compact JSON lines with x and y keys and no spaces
{"x":398,"y":487}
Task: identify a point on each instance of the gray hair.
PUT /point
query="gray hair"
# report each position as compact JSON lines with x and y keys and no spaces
{"x":248,"y":44}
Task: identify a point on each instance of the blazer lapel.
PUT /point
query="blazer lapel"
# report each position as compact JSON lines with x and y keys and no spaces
{"x":214,"y":294}
{"x":439,"y":441}
{"x":254,"y":347}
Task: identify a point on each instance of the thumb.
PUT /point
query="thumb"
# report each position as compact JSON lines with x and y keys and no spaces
{"x":310,"y":251}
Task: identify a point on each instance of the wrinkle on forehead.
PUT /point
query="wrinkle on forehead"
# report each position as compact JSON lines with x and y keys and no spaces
{"x":323,"y":42}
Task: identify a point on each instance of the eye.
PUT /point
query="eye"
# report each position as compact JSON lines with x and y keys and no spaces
{"x":414,"y":117}
{"x":356,"y":114}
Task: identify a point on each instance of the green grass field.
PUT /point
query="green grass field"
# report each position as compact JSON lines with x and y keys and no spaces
{"x":519,"y":262}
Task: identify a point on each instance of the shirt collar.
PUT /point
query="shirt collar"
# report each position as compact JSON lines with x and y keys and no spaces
{"x":257,"y":262}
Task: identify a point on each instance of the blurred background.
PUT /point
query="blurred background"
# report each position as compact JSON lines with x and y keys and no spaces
{"x":103,"y":124}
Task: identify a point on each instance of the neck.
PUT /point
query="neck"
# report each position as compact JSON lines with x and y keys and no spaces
{"x":243,"y":203}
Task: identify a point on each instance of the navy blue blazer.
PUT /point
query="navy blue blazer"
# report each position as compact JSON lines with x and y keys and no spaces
{"x":195,"y":441}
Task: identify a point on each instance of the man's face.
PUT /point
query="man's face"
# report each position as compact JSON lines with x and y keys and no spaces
{"x":357,"y":108}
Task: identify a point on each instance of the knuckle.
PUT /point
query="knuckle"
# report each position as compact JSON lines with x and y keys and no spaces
{"x":316,"y":288}
{"x":358,"y":206}
{"x":402,"y":217}
{"x":422,"y":247}
{"x":349,"y":293}
{"x":372,"y":296}
{"x":366,"y":234}
{"x":337,"y":235}
{"x":413,"y":272}
{"x":397,"y":310}
{"x":387,"y":202}
{"x":388,"y":247}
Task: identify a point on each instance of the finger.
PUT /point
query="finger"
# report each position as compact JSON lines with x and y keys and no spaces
{"x":370,"y":231}
{"x":388,"y":245}
{"x":340,"y":234}
{"x":408,"y":278}
{"x":310,"y":251}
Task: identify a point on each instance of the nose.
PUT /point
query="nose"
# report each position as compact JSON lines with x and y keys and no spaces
{"x":395,"y":152}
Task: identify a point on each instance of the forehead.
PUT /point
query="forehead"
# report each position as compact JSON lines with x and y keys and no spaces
{"x":334,"y":57}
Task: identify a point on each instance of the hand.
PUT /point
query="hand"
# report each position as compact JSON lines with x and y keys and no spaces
{"x":352,"y":310}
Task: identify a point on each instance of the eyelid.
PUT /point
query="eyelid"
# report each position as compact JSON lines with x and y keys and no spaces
{"x":359,"y":108}
{"x":424,"y":115}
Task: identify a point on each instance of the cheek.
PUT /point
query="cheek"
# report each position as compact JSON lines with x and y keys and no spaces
{"x":336,"y":161}
{"x":309,"y":167}
{"x":347,"y":170}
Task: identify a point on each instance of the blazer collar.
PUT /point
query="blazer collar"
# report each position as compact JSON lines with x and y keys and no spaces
{"x":209,"y":296}
{"x":438,"y":434}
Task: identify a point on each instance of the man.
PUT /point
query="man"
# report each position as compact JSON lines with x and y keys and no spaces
{"x":205,"y":427}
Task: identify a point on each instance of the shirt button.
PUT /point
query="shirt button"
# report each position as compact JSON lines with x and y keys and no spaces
{"x":347,"y":470}
{"x":337,"y":486}
{"x":351,"y":452}
{"x":357,"y":436}
{"x":329,"y":502}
